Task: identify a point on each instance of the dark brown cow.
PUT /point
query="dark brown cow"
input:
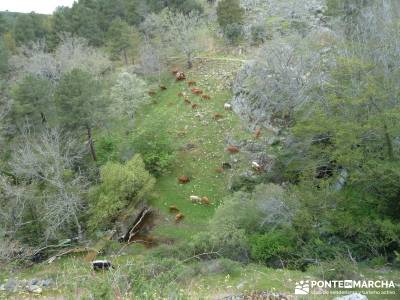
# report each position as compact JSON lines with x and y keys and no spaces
{"x":191,"y":83}
{"x":173,"y":209}
{"x":205,"y":97}
{"x":183,"y":179}
{"x":180,"y":76}
{"x":163,"y":87}
{"x":151,"y":93}
{"x":233,"y":149}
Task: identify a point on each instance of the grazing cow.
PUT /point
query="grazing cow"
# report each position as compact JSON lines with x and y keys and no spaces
{"x":101,"y":265}
{"x":179,"y":217}
{"x":196,"y":91}
{"x":219,"y":170}
{"x":227,"y":106}
{"x":163,"y":87}
{"x":256,"y":166}
{"x":205,"y":97}
{"x":151,"y":93}
{"x":195,"y":199}
{"x":173,"y":209}
{"x":233,"y":149}
{"x":187,"y":102}
{"x":194,"y":106}
{"x":174,"y":71}
{"x":183,"y":179}
{"x":257,"y":133}
{"x":180,"y":94}
{"x":191,"y":83}
{"x":217,"y":116}
{"x":180,"y":76}
{"x":205,"y":200}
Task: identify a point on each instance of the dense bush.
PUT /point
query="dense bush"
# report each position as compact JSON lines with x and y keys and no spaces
{"x":155,"y":148}
{"x":274,"y":248}
{"x":121,"y":185}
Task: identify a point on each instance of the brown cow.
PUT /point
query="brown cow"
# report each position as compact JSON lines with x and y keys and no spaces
{"x":187,"y":102}
{"x":197,"y":91}
{"x":233,"y":149}
{"x":180,"y":76}
{"x":194,"y":106}
{"x":173,"y":209}
{"x":217,"y":116}
{"x":151,"y":93}
{"x":205,"y":97}
{"x":205,"y":201}
{"x":219,"y":170}
{"x":179,"y":217}
{"x":257,"y":133}
{"x":163,"y":87}
{"x":174,"y":71}
{"x":191,"y":83}
{"x":183,"y":179}
{"x":180,"y":94}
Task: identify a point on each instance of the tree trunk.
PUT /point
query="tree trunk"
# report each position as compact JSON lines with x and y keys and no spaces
{"x":389,"y":144}
{"x":125,"y":56}
{"x":189,"y":61}
{"x":91,"y":143}
{"x":43,"y":116}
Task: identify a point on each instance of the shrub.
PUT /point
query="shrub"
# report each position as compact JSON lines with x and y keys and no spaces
{"x":276,"y":246}
{"x":340,"y":268}
{"x":121,"y":185}
{"x":233,"y":33}
{"x":106,"y":149}
{"x":156,"y":150}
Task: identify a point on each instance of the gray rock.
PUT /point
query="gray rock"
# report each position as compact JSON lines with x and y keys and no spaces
{"x":11,"y":285}
{"x":34,"y":289}
{"x":352,"y":297}
{"x":46,"y":283}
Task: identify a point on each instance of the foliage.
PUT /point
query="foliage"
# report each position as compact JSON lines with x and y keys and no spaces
{"x":119,"y":39}
{"x":33,"y":100}
{"x":274,"y":247}
{"x":229,"y":12}
{"x":157,"y":150}
{"x":121,"y":185}
{"x":76,"y":98}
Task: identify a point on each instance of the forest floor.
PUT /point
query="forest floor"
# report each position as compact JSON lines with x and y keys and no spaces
{"x":201,"y":141}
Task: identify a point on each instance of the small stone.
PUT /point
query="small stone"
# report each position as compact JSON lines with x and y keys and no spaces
{"x":34,"y":289}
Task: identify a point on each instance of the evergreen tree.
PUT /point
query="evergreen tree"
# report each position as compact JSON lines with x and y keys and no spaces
{"x":78,"y":103}
{"x":119,"y":39}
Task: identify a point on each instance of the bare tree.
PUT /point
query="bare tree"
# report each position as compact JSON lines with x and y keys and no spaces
{"x":128,"y":94}
{"x":72,"y":53}
{"x":50,"y":159}
{"x":279,"y":81}
{"x":179,"y":32}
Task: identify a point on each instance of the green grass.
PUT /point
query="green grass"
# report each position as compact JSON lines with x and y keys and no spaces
{"x":185,"y":125}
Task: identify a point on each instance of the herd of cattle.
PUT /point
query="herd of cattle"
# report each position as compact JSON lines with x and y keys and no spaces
{"x":180,"y":76}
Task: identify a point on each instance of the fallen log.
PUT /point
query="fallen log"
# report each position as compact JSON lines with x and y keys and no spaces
{"x":138,"y":224}
{"x":74,"y":250}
